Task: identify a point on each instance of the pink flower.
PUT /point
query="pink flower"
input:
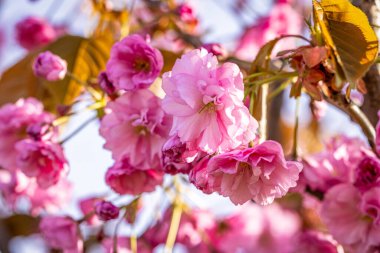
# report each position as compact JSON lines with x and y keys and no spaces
{"x":61,"y":233}
{"x":13,"y":186}
{"x":378,"y":134}
{"x":14,"y":122}
{"x":124,"y":246}
{"x":216,"y":49}
{"x":199,"y":176}
{"x":42,"y":160}
{"x":282,"y":20}
{"x":257,"y":229}
{"x":50,"y":66}
{"x":336,"y":164}
{"x":367,"y":174}
{"x":133,"y":63}
{"x":136,"y":127}
{"x":34,"y":32}
{"x":106,"y":211}
{"x":351,"y":218}
{"x":125,"y":179}
{"x":206,"y":103}
{"x":51,"y":199}
{"x":260,"y":173}
{"x":87,"y":206}
{"x":317,"y":242}
{"x":193,"y":228}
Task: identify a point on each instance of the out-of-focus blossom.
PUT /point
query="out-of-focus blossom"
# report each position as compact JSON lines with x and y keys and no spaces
{"x":106,"y":211}
{"x":61,"y":233}
{"x":13,"y":186}
{"x":169,"y":41}
{"x":215,"y":49}
{"x":51,"y":199}
{"x":124,"y":246}
{"x":282,"y":20}
{"x":186,"y":14}
{"x":87,"y":206}
{"x":136,"y":127}
{"x":206,"y":103}
{"x":316,"y":242}
{"x":125,"y":179}
{"x":105,"y":84}
{"x":34,"y":32}
{"x":260,"y":173}
{"x":193,"y":228}
{"x":335,"y":164}
{"x":351,"y":218}
{"x":367,"y":173}
{"x":318,"y":109}
{"x":14,"y":122}
{"x":257,"y":229}
{"x":50,"y":66}
{"x":133,"y":64}
{"x":42,"y":160}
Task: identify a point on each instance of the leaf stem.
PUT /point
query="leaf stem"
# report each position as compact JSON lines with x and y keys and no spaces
{"x":264,"y":112}
{"x":295,"y":133}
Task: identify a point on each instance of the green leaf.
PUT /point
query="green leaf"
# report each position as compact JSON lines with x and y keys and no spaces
{"x":85,"y":59}
{"x":346,"y":30}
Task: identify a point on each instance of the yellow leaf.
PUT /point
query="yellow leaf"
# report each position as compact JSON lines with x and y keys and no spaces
{"x":85,"y":59}
{"x":346,"y":30}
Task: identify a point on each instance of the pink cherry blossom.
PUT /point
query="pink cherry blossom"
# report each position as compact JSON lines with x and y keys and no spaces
{"x":282,"y":20}
{"x":133,"y":63}
{"x":87,"y":206}
{"x":125,"y":179}
{"x":50,"y":66}
{"x":14,"y":122}
{"x":378,"y":134}
{"x":34,"y":32}
{"x":260,"y":173}
{"x":106,"y":211}
{"x":317,"y":242}
{"x":351,"y":218}
{"x":42,"y":160}
{"x":124,"y":246}
{"x":367,"y":173}
{"x":13,"y":186}
{"x":61,"y":233}
{"x":335,"y":164}
{"x":136,"y":127}
{"x":257,"y":229}
{"x":206,"y":103}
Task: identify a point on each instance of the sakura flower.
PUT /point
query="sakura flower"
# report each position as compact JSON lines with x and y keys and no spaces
{"x":50,"y":66}
{"x":34,"y":32}
{"x":106,"y":211}
{"x":351,"y":218}
{"x":378,"y":134}
{"x":367,"y":174}
{"x":260,"y":173}
{"x":13,"y":186}
{"x":257,"y":229}
{"x":61,"y":233}
{"x":15,"y":120}
{"x":317,"y":242}
{"x":282,"y":20}
{"x":44,"y":161}
{"x":133,"y":64}
{"x":206,"y":103}
{"x":125,"y":179}
{"x":136,"y":126}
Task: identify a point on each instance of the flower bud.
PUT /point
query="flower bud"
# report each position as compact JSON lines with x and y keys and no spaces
{"x":106,"y":210}
{"x":49,"y":66}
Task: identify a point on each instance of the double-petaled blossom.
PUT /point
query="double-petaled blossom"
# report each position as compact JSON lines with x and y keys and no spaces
{"x":50,"y":66}
{"x":260,"y":173}
{"x":205,"y":101}
{"x":336,"y":164}
{"x":367,"y":173}
{"x":43,"y":160}
{"x":352,"y":217}
{"x":133,"y":63}
{"x":61,"y":233}
{"x":257,"y":229}
{"x":282,"y":20}
{"x":15,"y":121}
{"x":136,"y":127}
{"x":34,"y":32}
{"x":126,"y":179}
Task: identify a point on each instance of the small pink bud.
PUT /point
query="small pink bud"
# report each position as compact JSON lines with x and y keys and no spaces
{"x":106,"y":210}
{"x":50,"y":66}
{"x":216,"y":49}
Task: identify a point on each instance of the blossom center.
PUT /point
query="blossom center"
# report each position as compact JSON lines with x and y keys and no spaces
{"x":141,"y":65}
{"x":209,"y":107}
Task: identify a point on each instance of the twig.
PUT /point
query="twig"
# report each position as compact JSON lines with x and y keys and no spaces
{"x":295,"y":133}
{"x":264,"y":112}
